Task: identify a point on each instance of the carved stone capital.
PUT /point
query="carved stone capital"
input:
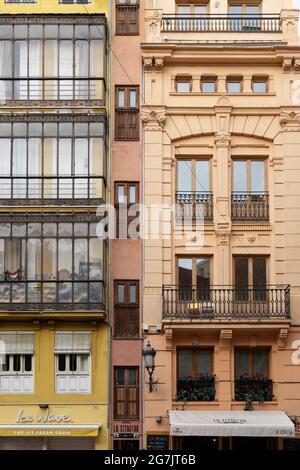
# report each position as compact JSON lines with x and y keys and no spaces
{"x":287,"y":64}
{"x":153,"y":120}
{"x":290,"y":121}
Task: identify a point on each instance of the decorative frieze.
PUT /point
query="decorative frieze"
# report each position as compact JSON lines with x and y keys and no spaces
{"x":153,"y":120}
{"x":290,"y":121}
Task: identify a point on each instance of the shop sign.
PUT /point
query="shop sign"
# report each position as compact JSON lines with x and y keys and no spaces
{"x":48,"y":417}
{"x":125,"y":428}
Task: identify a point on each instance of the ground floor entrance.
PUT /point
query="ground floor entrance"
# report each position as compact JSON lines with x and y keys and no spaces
{"x":196,"y":444}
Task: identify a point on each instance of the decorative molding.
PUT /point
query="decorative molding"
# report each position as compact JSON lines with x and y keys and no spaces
{"x":222,"y":140}
{"x":287,"y":64}
{"x":55,"y":117}
{"x":153,"y":64}
{"x":252,"y":238}
{"x":225,"y":340}
{"x":148,"y":63}
{"x":222,"y":237}
{"x":297,"y":65}
{"x":169,"y":339}
{"x":282,"y":338}
{"x":52,"y":104}
{"x":153,"y":120}
{"x":92,"y":19}
{"x":290,"y":121}
{"x":242,"y":227}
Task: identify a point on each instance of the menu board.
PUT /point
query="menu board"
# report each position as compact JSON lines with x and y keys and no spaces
{"x":158,"y":442}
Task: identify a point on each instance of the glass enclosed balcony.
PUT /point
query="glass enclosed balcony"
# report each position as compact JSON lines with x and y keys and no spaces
{"x":51,"y":263}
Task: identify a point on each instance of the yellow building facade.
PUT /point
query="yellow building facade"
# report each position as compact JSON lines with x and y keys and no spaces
{"x":54,"y":334}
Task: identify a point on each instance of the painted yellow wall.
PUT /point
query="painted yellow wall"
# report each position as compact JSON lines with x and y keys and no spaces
{"x":53,"y":6}
{"x":44,"y":368}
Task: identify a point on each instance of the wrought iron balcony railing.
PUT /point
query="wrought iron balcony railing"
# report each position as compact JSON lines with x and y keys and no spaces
{"x":68,"y":295}
{"x":226,"y":302}
{"x":51,"y":190}
{"x":250,"y":206}
{"x":253,"y":389}
{"x":224,"y":23}
{"x":199,"y":388}
{"x":194,"y":205}
{"x":127,"y":321}
{"x":52,"y":89}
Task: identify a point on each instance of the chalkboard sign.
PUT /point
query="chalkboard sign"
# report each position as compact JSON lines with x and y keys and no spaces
{"x":158,"y":442}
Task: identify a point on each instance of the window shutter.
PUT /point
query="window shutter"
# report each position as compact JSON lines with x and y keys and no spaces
{"x":17,"y":343}
{"x":74,"y":342}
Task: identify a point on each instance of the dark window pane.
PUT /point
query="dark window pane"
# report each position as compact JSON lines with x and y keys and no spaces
{"x":120,"y":377}
{"x":203,"y":273}
{"x":17,"y":363}
{"x":259,"y":279}
{"x":5,"y":363}
{"x":260,"y":363}
{"x":203,"y":362}
{"x":185,"y":363}
{"x":28,"y":363}
{"x":185,"y":267}
{"x":132,"y":377}
{"x":241,"y":278}
{"x":241,"y":362}
{"x":62,"y":363}
{"x":73,"y":362}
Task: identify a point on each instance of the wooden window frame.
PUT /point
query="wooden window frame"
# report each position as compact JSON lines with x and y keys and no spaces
{"x":184,"y":79}
{"x":194,"y":270}
{"x":249,"y":163}
{"x":244,"y":4}
{"x":127,"y":8}
{"x":250,"y":351}
{"x":193,"y":171}
{"x":250,"y":267}
{"x":126,"y":388}
{"x":233,"y":79}
{"x":209,"y":79}
{"x":127,"y":205}
{"x":127,"y":114}
{"x":192,"y":5}
{"x":194,"y":359}
{"x":127,"y":334}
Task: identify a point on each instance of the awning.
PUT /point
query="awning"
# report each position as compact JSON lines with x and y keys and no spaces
{"x":231,"y":423}
{"x":45,"y":430}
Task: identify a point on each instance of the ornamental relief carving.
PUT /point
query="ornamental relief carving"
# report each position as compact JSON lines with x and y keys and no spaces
{"x":290,"y":121}
{"x":153,"y":120}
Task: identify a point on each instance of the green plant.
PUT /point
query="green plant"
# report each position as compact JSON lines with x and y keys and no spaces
{"x":198,"y":388}
{"x":250,"y":389}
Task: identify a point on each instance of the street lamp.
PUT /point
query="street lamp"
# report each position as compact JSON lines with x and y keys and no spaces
{"x":149,"y":354}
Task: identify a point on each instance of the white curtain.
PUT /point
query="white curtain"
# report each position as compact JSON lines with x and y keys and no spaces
{"x":21,"y":64}
{"x":35,"y":62}
{"x":66,"y":69}
{"x":50,"y":167}
{"x":81,"y":167}
{"x":65,"y":168}
{"x":12,"y":255}
{"x":34,"y":168}
{"x":5,"y":186}
{"x":81,"y":69}
{"x":19,"y":167}
{"x":33,"y":259}
{"x":5,"y":70}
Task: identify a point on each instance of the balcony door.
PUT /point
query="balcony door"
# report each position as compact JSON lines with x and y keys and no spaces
{"x":194,"y":278}
{"x":250,"y":278}
{"x":190,"y":16}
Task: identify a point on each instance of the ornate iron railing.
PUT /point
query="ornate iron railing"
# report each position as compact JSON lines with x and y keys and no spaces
{"x":223,"y":23}
{"x":194,"y":205}
{"x":226,"y":302}
{"x":250,"y":206}
{"x":199,"y":388}
{"x":49,"y":295}
{"x":51,"y":190}
{"x":253,"y":389}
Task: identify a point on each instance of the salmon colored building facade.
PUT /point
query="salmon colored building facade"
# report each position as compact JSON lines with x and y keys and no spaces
{"x":221,"y":304}
{"x":126,"y":368}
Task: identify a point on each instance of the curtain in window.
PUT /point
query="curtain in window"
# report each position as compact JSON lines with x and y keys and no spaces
{"x":50,"y":68}
{"x":34,"y":168}
{"x":65,"y":168}
{"x":19,"y":168}
{"x":96,"y":69}
{"x":21,"y":69}
{"x":81,"y":69}
{"x":81,"y":168}
{"x":5,"y":186}
{"x":12,"y":255}
{"x":66,"y":69}
{"x":50,"y":168}
{"x":34,"y":259}
{"x":35,"y":69}
{"x":5,"y":70}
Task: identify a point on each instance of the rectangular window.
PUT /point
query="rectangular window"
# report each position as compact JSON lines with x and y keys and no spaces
{"x":127,"y":126}
{"x":260,"y":85}
{"x":126,"y":393}
{"x":68,"y":64}
{"x":195,"y":381}
{"x":127,"y":312}
{"x":250,"y":278}
{"x":193,"y":176}
{"x":208,"y":84}
{"x":249,"y":176}
{"x":17,"y":366}
{"x":194,"y":362}
{"x":183,"y":84}
{"x":194,"y":278}
{"x":252,"y":363}
{"x":127,"y":210}
{"x":127,"y":18}
{"x":73,"y":362}
{"x":234,"y":85}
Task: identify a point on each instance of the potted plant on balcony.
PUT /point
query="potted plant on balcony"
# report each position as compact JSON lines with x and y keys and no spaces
{"x":196,"y":388}
{"x":257,"y":388}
